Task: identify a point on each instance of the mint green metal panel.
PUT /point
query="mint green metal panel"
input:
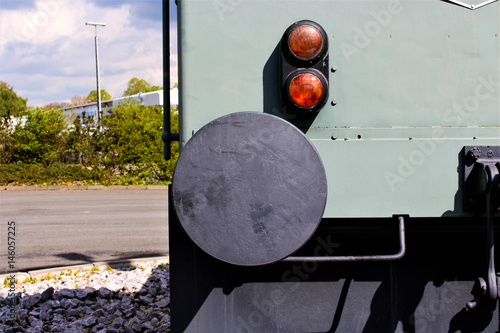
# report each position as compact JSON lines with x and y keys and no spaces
{"x":415,"y":81}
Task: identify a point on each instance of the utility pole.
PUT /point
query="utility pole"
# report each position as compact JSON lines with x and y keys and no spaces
{"x":97,"y":67}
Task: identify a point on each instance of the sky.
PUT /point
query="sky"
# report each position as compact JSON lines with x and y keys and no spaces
{"x":47,"y":53}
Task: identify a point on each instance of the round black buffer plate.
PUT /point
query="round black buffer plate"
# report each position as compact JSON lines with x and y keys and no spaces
{"x":249,"y":188}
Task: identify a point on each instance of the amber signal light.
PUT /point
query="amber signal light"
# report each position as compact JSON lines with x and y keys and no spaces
{"x":305,"y":41}
{"x":306,"y":90}
{"x":304,"y":69}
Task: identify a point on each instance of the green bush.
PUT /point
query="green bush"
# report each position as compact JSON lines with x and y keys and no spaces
{"x":6,"y":146}
{"x":40,"y":139}
{"x":125,"y":148}
{"x":56,"y":174}
{"x":84,"y":141}
{"x":132,"y":143}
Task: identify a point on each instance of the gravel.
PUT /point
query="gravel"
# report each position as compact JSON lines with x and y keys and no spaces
{"x":131,"y":299}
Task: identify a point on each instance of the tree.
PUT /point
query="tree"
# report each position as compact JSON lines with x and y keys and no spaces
{"x":134,"y":145}
{"x":41,"y":138}
{"x":78,"y":100}
{"x":10,"y":103}
{"x":84,"y":140}
{"x":135,"y":86}
{"x":105,"y":96}
{"x":55,"y":105}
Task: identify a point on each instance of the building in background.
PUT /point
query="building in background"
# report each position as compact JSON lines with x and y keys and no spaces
{"x":146,"y":99}
{"x":174,"y":96}
{"x":90,"y":109}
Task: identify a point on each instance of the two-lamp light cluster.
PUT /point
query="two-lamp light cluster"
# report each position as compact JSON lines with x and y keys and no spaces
{"x":304,"y":69}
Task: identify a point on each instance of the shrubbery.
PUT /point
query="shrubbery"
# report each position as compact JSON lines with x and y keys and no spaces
{"x":55,"y":174}
{"x":43,"y":146}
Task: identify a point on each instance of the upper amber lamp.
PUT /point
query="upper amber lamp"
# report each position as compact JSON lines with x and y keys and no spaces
{"x":305,"y":41}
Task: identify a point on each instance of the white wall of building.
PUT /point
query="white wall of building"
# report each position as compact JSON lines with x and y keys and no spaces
{"x":146,"y":99}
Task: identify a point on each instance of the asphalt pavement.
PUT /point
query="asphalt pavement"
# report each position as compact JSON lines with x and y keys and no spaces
{"x":61,"y":227}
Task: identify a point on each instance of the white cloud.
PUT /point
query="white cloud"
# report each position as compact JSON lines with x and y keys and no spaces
{"x":47,"y":51}
{"x":46,"y":22}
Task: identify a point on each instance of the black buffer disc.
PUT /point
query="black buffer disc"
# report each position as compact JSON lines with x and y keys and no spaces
{"x":249,"y":188}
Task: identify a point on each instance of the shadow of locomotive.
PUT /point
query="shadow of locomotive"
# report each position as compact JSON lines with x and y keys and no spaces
{"x":426,"y":291}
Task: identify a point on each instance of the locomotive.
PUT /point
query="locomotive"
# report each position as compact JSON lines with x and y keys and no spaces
{"x":339,"y":166}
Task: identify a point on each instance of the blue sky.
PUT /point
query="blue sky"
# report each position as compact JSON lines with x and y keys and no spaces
{"x":47,"y":52}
